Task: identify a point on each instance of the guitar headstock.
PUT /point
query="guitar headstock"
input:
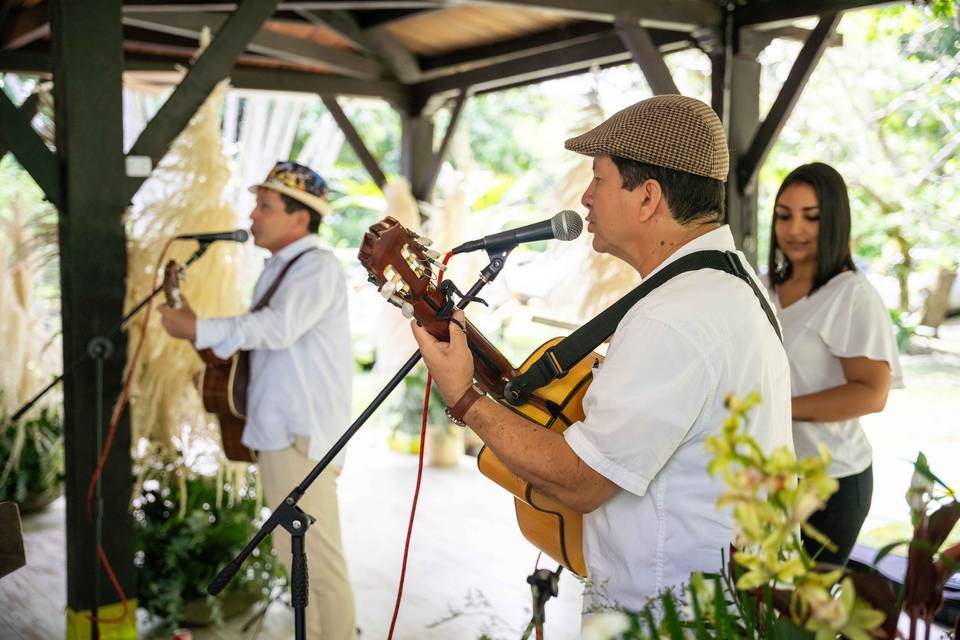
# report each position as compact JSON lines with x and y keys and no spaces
{"x":173,"y":272}
{"x":401,"y":265}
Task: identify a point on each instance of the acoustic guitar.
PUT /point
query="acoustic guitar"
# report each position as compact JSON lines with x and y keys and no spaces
{"x":223,"y":382}
{"x":402,"y":268}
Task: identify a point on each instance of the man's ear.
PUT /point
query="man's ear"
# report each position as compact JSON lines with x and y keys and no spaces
{"x":649,"y":195}
{"x":304,"y":216}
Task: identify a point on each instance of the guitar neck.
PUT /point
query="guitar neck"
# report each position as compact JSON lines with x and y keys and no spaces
{"x":491,"y":369}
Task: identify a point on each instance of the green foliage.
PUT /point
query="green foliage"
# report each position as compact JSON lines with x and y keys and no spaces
{"x":495,"y":194}
{"x":883,"y":110}
{"x":177,"y":556}
{"x":904,"y":327}
{"x":410,"y":410}
{"x":38,"y":475}
{"x":496,"y":124}
{"x":355,"y":203}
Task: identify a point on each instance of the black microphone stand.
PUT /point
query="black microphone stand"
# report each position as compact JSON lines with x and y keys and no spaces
{"x":89,"y":353}
{"x":292,"y":518}
{"x":100,"y":348}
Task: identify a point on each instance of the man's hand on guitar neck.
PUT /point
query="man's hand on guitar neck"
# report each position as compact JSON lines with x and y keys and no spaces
{"x":540,"y":456}
{"x":179,"y":323}
{"x":450,"y":363}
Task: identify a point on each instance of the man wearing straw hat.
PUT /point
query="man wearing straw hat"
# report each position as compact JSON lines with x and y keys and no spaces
{"x":298,"y":400}
{"x":636,"y":465}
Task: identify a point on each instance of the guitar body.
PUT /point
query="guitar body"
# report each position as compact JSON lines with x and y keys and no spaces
{"x":223,"y":383}
{"x":397,"y":263}
{"x":223,"y":386}
{"x":550,"y":526}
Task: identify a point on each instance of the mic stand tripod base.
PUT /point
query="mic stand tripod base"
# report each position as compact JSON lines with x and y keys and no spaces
{"x":294,"y":520}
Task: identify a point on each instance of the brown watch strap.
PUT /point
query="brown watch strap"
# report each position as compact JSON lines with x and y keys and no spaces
{"x":471,"y":395}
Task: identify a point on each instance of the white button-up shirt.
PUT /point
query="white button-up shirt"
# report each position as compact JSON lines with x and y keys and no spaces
{"x":301,"y":365}
{"x":654,"y":400}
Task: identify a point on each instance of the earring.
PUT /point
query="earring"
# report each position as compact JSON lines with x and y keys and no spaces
{"x":780,"y":262}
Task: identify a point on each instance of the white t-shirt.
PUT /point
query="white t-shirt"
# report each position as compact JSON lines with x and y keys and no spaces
{"x":301,"y":365}
{"x":845,"y":318}
{"x":660,"y":392}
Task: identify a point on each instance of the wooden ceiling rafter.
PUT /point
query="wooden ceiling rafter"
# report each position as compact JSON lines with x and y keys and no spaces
{"x":266,"y":42}
{"x":19,"y":29}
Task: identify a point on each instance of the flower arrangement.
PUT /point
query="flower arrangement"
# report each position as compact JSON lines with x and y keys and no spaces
{"x":770,"y":587}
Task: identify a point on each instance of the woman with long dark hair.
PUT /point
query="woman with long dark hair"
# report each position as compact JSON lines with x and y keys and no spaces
{"x":839,"y":340}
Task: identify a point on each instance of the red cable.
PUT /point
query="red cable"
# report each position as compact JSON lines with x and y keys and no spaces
{"x":416,"y":491}
{"x":105,"y":453}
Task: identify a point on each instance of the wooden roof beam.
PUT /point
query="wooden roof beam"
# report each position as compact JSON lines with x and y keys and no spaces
{"x":798,"y":34}
{"x":645,"y":53}
{"x":31,"y":152}
{"x":675,"y":15}
{"x":188,"y":6}
{"x":603,"y":49}
{"x":436,"y":163}
{"x":213,"y":65}
{"x":749,"y":164}
{"x":355,"y":141}
{"x":257,"y":79}
{"x":28,"y":109}
{"x":550,"y":40}
{"x":777,"y":14}
{"x":401,"y":62}
{"x":21,"y":28}
{"x":321,"y":84}
{"x":682,"y":15}
{"x":268,"y":43}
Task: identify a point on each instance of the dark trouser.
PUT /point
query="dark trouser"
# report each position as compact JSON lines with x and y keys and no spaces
{"x":842,"y":518}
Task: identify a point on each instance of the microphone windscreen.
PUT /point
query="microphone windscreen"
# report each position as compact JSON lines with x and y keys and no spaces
{"x":241,"y":235}
{"x":566,"y":225}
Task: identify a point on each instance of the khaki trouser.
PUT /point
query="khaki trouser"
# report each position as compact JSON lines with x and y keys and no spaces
{"x":330,"y":609}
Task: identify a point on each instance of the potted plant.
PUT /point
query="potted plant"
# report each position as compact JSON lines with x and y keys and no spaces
{"x":187,"y":526}
{"x":32,"y":451}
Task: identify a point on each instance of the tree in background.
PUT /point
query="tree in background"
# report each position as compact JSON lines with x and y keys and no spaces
{"x":884,"y":109}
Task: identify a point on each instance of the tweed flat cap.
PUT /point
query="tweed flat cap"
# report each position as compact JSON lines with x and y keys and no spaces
{"x":669,"y":131}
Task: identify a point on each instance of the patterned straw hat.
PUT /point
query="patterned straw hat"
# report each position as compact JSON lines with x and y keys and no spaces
{"x":301,"y":183}
{"x":669,"y":131}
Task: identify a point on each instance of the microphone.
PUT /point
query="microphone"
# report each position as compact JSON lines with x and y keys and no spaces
{"x":566,"y":225}
{"x":240,"y":235}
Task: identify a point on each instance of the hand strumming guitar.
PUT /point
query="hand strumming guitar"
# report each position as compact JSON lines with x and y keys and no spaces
{"x":179,"y":323}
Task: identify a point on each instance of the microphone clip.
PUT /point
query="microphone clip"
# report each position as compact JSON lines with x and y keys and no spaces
{"x":449,"y":289}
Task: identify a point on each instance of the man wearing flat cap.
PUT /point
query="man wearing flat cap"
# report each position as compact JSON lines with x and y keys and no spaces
{"x":301,"y":368}
{"x":636,"y":466}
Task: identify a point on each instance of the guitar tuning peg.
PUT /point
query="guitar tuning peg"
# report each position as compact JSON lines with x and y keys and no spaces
{"x":424,"y":241}
{"x":406,"y":310}
{"x":432,"y":254}
{"x":387,"y":290}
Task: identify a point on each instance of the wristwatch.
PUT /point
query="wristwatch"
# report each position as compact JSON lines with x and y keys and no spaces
{"x":459,"y":409}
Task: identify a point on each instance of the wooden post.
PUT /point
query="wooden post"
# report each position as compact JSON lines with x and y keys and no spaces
{"x":416,"y":151}
{"x":741,"y":103}
{"x":87,"y":66}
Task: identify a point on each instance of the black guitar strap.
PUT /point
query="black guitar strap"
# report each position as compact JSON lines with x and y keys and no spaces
{"x":557,"y":360}
{"x":265,"y":299}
